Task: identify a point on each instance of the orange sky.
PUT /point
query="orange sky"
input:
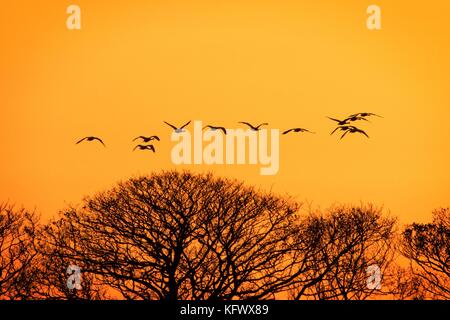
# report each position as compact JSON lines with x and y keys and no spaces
{"x":291,"y":63}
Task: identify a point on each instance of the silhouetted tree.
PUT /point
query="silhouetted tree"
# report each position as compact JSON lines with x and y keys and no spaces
{"x":178,"y":235}
{"x":29,"y":267}
{"x":427,"y":246}
{"x":183,"y":236}
{"x":347,"y":240}
{"x":54,"y":273}
{"x":406,"y":285}
{"x":17,"y":236}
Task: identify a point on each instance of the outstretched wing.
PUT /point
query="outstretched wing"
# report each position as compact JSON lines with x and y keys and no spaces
{"x":346,"y":131}
{"x":100,"y":140}
{"x":363,"y":132}
{"x":140,"y":137}
{"x":151,"y":147}
{"x":186,"y":124}
{"x":287,"y":131}
{"x":172,"y":126}
{"x":248,"y":124}
{"x":365,"y":114}
{"x":81,"y":140}
{"x":262,"y":124}
{"x":334,"y":119}
{"x":223,"y":129}
{"x":337,"y":128}
{"x":154,"y":137}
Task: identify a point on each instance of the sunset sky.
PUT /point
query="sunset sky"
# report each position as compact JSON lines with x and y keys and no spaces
{"x":135,"y":63}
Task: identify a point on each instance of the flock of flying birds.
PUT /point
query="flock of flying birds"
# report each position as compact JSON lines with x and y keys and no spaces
{"x":344,"y":126}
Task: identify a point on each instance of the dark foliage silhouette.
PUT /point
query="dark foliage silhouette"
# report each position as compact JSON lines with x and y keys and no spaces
{"x":180,"y":235}
{"x":183,"y":236}
{"x":17,"y":236}
{"x":53,"y":275}
{"x":427,"y":246}
{"x":347,"y":240}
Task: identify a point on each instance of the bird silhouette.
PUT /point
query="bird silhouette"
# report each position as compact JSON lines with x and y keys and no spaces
{"x":147,"y":139}
{"x":354,"y":130}
{"x":297,"y":130}
{"x":214,"y":128}
{"x":177,"y":130}
{"x":145,"y":147}
{"x":353,"y":118}
{"x":340,"y":122}
{"x":91,"y":138}
{"x":365,"y":114}
{"x":340,"y":128}
{"x":253,"y":127}
{"x":350,"y":129}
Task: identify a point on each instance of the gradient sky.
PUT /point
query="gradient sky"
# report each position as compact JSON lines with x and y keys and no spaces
{"x":290,"y":63}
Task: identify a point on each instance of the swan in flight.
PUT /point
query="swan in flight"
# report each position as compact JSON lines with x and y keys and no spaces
{"x":258,"y":127}
{"x":350,"y":129}
{"x":297,"y":130}
{"x":340,"y":122}
{"x":145,"y":147}
{"x":147,"y":139}
{"x":91,"y":138}
{"x":177,"y":130}
{"x":353,"y":118}
{"x":365,"y":114}
{"x":214,"y":128}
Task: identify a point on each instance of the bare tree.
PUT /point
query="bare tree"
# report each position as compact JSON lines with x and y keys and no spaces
{"x":17,"y":235}
{"x":57,"y":271}
{"x":179,"y":235}
{"x":348,"y":240}
{"x":29,"y":267}
{"x":406,"y":285}
{"x":427,"y":246}
{"x":183,"y":236}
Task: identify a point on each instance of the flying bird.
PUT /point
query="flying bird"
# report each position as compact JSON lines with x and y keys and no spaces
{"x":297,"y":130}
{"x":91,"y":138}
{"x":147,"y":139}
{"x":253,"y":127}
{"x":354,"y":130}
{"x":353,"y":118}
{"x":340,"y":122}
{"x":214,"y":128}
{"x":145,"y":147}
{"x":365,"y":114}
{"x":177,"y":130}
{"x":351,"y":129}
{"x":342,"y":128}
